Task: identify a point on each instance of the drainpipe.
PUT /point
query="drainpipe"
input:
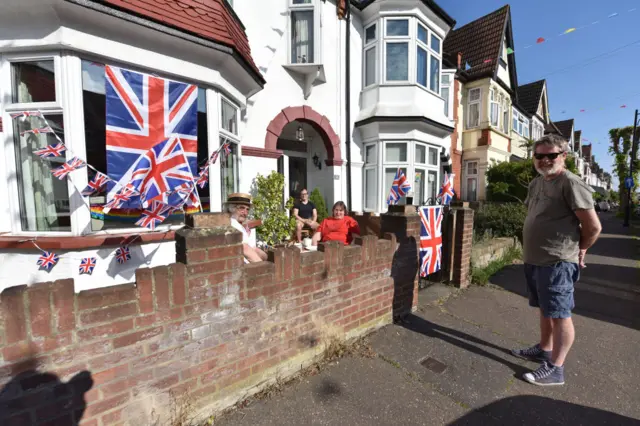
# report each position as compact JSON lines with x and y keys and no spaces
{"x":348,"y":100}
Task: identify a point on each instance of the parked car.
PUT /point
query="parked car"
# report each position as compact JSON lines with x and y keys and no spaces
{"x":604,"y":206}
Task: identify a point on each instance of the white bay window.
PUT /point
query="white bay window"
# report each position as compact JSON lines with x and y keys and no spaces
{"x":70,"y":92}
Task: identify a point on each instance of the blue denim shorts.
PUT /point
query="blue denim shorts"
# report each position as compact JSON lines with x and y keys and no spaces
{"x":550,"y":288}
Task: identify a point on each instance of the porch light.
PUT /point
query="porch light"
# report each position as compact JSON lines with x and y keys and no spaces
{"x":300,"y":133}
{"x":316,"y":162}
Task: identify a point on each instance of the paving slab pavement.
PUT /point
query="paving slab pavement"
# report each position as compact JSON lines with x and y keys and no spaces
{"x":448,"y":363}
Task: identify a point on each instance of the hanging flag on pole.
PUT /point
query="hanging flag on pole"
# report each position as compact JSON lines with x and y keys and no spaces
{"x":399,"y":188}
{"x":142,"y":112}
{"x":446,"y":192}
{"x":430,"y":239}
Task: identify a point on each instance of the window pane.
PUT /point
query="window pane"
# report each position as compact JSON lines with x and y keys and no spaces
{"x":33,"y":82}
{"x":370,"y":189}
{"x":370,"y":33}
{"x":44,"y":199}
{"x":302,"y":1}
{"x":370,"y":64}
{"x":229,"y":117}
{"x":434,"y":82}
{"x":389,"y":175}
{"x":397,"y":27}
{"x":396,"y":152}
{"x":433,"y":156}
{"x":302,"y":37}
{"x":474,"y":115}
{"x":432,"y":184}
{"x":422,"y":66}
{"x":229,"y":176}
{"x":370,"y":154}
{"x":445,"y":95}
{"x":397,"y":61}
{"x":418,"y":188}
{"x":472,"y":189}
{"x":203,"y":145}
{"x":435,"y":43}
{"x":422,"y":34}
{"x":446,"y":79}
{"x":421,"y":154}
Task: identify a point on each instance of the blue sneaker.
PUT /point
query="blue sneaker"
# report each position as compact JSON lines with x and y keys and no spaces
{"x":534,"y":353}
{"x":546,"y":375}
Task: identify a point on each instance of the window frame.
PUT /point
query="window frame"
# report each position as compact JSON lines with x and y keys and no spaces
{"x":469,"y":103}
{"x":317,"y":36}
{"x":371,"y":45}
{"x":70,"y":104}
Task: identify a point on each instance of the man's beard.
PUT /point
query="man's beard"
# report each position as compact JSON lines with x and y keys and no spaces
{"x":554,"y":169}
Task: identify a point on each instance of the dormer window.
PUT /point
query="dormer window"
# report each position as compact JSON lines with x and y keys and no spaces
{"x":303,"y":34}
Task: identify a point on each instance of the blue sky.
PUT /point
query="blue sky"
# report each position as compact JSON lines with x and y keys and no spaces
{"x":606,"y":82}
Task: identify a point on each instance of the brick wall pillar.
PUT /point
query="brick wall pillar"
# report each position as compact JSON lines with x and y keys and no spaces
{"x":404,"y":269}
{"x":463,"y":237}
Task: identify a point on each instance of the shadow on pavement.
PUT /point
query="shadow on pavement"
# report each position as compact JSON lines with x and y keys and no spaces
{"x":611,"y":245}
{"x":530,"y":410}
{"x":597,"y":305}
{"x":462,"y":340}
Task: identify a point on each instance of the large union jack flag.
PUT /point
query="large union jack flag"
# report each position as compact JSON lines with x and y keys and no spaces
{"x":399,"y":188}
{"x":447,"y":192}
{"x":160,"y":171}
{"x":430,"y":239}
{"x":143,"y":111}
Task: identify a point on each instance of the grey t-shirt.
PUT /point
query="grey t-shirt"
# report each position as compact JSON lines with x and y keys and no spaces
{"x":552,"y":230}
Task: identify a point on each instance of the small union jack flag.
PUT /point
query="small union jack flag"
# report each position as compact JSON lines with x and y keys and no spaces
{"x":48,"y":260}
{"x":214,"y":157}
{"x":447,"y":192}
{"x":51,"y":151}
{"x":86,"y":265}
{"x":399,"y":188}
{"x":123,"y":254}
{"x":203,"y":177}
{"x":97,"y":183}
{"x":25,"y":114}
{"x":227,"y":148}
{"x":71,"y":165}
{"x":120,"y":198}
{"x":154,"y":216}
{"x":41,"y":130}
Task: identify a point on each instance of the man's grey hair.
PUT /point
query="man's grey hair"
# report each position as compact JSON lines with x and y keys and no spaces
{"x":552,"y":140}
{"x":231,"y":208}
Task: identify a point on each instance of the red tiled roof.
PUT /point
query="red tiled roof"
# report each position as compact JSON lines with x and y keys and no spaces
{"x":479,"y":41}
{"x":210,"y":19}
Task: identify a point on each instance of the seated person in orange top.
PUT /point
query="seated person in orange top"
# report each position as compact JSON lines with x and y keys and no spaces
{"x":337,"y":228}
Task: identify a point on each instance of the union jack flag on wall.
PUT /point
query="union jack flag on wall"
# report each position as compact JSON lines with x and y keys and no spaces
{"x":399,"y":188}
{"x":143,"y":111}
{"x":430,"y":239}
{"x":447,"y":192}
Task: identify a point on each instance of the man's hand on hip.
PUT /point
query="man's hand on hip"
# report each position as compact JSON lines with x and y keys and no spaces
{"x":581,"y":256}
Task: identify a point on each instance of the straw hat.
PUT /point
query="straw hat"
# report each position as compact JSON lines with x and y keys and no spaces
{"x":239,"y":198}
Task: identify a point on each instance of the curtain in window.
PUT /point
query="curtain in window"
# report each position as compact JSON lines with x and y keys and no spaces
{"x":418,"y":188}
{"x":474,"y":115}
{"x":434,"y":82}
{"x":302,"y":37}
{"x":397,"y":61}
{"x":44,"y":200}
{"x":445,"y":95}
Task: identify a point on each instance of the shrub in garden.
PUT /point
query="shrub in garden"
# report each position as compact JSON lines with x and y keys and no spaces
{"x":500,"y":220}
{"x":276,"y":226}
{"x":318,"y":200}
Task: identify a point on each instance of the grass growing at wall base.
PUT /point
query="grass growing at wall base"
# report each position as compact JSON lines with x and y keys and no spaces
{"x":481,"y":276}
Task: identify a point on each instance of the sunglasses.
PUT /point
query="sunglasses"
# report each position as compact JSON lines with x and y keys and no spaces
{"x":551,"y":156}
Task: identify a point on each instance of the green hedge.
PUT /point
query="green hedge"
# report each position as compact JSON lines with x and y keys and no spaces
{"x":500,"y":220}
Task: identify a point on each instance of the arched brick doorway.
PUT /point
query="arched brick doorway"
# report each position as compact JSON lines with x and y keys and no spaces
{"x":308,"y":115}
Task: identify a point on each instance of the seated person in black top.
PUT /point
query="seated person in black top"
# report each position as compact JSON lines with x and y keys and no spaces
{"x":305,"y":213}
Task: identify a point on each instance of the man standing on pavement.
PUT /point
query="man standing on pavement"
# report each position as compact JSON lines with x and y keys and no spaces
{"x":561,"y":225}
{"x":305,"y":213}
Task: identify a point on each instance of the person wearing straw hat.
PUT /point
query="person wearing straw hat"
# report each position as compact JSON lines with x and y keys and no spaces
{"x":238,"y":205}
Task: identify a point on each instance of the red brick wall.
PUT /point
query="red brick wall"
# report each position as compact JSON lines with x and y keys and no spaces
{"x":208,"y":328}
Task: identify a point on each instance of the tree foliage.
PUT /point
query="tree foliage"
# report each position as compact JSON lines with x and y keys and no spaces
{"x":500,"y":220}
{"x":321,"y":207}
{"x":527,"y":145}
{"x":267,"y":206}
{"x":621,"y":152}
{"x":509,"y":181}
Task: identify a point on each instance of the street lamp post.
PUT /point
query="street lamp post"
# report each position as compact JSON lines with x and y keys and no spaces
{"x":627,"y":211}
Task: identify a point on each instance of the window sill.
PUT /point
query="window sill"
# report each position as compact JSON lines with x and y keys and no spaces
{"x":313,"y":75}
{"x":86,"y":242}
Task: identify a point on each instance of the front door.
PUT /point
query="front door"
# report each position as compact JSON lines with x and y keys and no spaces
{"x":297,"y":176}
